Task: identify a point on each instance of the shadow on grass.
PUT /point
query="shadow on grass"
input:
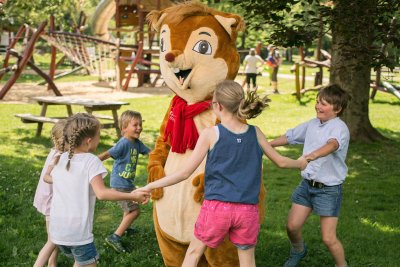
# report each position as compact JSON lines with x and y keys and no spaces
{"x":393,"y":103}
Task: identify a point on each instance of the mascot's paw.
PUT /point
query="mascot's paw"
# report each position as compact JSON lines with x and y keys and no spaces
{"x":156,"y":172}
{"x":198,"y":182}
{"x":157,"y":193}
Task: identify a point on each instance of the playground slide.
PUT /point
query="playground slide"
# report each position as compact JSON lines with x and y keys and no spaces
{"x":391,"y":89}
{"x":105,"y":11}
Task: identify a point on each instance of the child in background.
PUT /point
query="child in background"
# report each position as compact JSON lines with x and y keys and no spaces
{"x":232,"y":179}
{"x":77,"y":178}
{"x":273,"y":61}
{"x":326,"y":140}
{"x":125,"y":154}
{"x":44,"y":194}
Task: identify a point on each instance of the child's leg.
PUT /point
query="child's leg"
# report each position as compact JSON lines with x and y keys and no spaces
{"x":328,"y":231}
{"x":45,"y":254}
{"x":253,"y":80}
{"x":127,"y":219}
{"x":297,"y":216}
{"x":246,"y":257}
{"x":48,"y":253}
{"x":194,"y":252}
{"x":247,"y":82}
{"x":53,"y":258}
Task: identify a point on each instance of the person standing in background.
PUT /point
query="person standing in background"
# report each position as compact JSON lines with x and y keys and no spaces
{"x":273,"y":61}
{"x":251,"y":68}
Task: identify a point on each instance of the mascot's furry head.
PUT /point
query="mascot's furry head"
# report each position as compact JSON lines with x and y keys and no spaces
{"x":197,"y":48}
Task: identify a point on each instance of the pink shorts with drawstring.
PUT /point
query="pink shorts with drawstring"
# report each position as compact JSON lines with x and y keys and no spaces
{"x":218,"y":219}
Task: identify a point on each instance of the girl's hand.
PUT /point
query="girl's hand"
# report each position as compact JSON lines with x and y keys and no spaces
{"x":140,"y":196}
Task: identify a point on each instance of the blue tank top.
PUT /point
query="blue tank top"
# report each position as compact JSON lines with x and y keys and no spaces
{"x":233,"y":167}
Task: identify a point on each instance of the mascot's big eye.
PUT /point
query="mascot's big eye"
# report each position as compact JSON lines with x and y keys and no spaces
{"x":203,"y":47}
{"x":162,"y":45}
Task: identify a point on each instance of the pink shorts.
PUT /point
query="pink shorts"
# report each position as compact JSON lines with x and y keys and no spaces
{"x":218,"y":219}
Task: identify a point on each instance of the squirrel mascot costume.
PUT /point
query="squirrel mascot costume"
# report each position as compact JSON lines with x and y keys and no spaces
{"x":197,"y":51}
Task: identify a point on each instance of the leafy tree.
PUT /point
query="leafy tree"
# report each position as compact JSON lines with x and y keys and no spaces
{"x":358,"y":28}
{"x":18,"y":12}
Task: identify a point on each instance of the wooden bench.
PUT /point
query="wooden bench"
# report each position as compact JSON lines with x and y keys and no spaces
{"x":30,"y":118}
{"x":90,"y":106}
{"x":103,"y":117}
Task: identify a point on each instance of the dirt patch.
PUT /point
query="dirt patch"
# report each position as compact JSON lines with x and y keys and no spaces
{"x":22,"y":92}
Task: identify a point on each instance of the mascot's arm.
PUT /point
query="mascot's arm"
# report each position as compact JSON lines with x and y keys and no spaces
{"x":157,"y":158}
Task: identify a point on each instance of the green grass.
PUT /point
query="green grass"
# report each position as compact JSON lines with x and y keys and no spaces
{"x":369,"y":225}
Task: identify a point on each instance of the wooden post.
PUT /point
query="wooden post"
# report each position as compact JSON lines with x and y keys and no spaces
{"x":319,"y":76}
{"x":53,"y":58}
{"x":11,"y":45}
{"x":297,"y":81}
{"x":117,"y":67}
{"x":24,"y":61}
{"x":117,"y":18}
{"x":377,"y":82}
{"x":303,"y":68}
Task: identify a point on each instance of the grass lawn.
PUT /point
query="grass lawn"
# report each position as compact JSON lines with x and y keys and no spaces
{"x":369,"y":225}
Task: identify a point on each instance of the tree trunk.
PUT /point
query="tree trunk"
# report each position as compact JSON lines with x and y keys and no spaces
{"x":352,"y":38}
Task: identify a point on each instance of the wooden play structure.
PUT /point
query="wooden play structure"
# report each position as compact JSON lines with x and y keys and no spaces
{"x":384,"y":82}
{"x":304,"y":63}
{"x":384,"y":77}
{"x":24,"y":59}
{"x":129,"y":17}
{"x":104,"y":55}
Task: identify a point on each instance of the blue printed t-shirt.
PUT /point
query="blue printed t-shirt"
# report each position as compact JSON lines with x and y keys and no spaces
{"x":125,"y":154}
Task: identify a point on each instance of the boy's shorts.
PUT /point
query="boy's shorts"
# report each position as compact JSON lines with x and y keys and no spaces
{"x":82,"y":254}
{"x":127,"y":205}
{"x":218,"y":219}
{"x":325,"y":201}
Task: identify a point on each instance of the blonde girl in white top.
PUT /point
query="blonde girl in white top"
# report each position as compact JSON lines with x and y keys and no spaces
{"x":77,"y":180}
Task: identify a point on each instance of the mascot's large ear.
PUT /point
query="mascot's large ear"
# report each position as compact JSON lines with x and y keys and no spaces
{"x":231,"y":24}
{"x":155,"y":19}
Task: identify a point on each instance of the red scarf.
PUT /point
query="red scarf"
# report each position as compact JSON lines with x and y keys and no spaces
{"x":180,"y":129}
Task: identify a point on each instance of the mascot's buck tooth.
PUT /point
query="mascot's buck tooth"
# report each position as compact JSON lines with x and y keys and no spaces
{"x":197,"y":51}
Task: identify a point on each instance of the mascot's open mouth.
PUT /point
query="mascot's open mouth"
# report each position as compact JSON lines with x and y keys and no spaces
{"x":182,"y":74}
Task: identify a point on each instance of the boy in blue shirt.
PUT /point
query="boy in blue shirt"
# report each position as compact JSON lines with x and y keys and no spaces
{"x":326,"y":141}
{"x":125,"y":154}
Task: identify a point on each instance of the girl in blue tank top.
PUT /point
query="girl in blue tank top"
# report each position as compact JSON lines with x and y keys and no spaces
{"x":234,"y":152}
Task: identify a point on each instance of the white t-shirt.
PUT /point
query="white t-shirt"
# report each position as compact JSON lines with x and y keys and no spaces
{"x":252,"y":61}
{"x":72,"y":209}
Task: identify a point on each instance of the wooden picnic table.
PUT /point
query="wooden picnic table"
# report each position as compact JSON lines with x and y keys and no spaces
{"x":89,"y":105}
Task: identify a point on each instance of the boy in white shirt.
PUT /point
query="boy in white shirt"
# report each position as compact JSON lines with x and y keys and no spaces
{"x":326,"y":141}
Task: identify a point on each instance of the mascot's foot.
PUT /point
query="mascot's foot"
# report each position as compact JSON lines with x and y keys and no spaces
{"x":114,"y":241}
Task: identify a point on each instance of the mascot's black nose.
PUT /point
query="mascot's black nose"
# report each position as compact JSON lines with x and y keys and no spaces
{"x":170,"y":57}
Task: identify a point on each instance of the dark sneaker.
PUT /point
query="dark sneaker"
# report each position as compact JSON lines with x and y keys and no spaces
{"x":131,"y":231}
{"x":295,"y":257}
{"x":115,"y":243}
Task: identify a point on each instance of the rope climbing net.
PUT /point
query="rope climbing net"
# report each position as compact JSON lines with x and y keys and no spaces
{"x":95,"y":55}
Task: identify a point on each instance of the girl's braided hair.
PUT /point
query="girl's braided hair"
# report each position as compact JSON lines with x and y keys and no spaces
{"x":77,"y":128}
{"x":231,"y":95}
{"x":57,"y":136}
